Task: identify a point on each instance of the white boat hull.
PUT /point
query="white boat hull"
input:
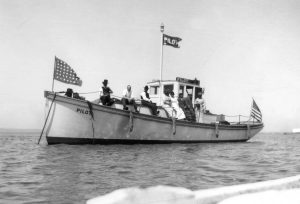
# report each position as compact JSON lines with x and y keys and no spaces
{"x":71,"y":122}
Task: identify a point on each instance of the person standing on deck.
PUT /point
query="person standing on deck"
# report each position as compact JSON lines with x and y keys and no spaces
{"x":146,"y":101}
{"x":174,"y":103}
{"x":167,"y":103}
{"x":128,"y":99}
{"x":199,"y":107}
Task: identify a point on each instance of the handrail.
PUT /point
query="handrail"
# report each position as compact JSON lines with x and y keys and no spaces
{"x":232,"y":116}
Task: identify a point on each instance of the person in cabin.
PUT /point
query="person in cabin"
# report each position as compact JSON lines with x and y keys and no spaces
{"x":200,"y":107}
{"x":180,"y":96}
{"x":174,"y":103}
{"x":106,"y":91}
{"x":146,"y":101}
{"x":187,"y":106}
{"x":69,"y":92}
{"x":128,"y":99}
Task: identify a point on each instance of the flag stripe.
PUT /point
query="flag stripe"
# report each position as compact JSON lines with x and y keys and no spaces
{"x":255,"y":112}
{"x":256,"y":116}
{"x":258,"y":119}
{"x":255,"y":106}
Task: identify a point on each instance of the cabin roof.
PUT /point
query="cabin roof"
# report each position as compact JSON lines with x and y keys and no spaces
{"x":193,"y":82}
{"x":157,"y":81}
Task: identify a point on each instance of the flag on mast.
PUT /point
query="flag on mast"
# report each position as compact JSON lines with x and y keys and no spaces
{"x":171,"y":41}
{"x":64,"y":73}
{"x":255,"y":112}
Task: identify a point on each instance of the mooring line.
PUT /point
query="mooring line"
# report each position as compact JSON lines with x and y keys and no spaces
{"x":92,"y":119}
{"x":47,"y":118}
{"x":130,"y":121}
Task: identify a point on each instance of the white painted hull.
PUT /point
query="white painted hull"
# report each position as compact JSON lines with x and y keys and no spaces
{"x":70,"y":122}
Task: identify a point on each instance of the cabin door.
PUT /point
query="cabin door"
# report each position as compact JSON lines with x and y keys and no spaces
{"x":181,"y":91}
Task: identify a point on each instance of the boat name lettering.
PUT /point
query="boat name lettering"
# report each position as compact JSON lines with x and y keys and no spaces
{"x":83,"y":111}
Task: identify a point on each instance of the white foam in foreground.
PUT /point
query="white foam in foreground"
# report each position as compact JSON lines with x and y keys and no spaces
{"x":291,"y":196}
{"x":154,"y":195}
{"x":261,"y":192}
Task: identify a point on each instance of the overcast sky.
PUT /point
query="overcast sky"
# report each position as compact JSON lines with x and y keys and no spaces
{"x":239,"y":49}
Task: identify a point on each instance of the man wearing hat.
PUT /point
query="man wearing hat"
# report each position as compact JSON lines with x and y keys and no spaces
{"x":106,"y":91}
{"x":147,"y":102}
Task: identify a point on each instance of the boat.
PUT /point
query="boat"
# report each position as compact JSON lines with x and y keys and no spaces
{"x":294,"y":131}
{"x":74,"y":120}
{"x":78,"y":121}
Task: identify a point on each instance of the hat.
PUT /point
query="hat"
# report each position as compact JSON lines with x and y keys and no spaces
{"x":105,"y":81}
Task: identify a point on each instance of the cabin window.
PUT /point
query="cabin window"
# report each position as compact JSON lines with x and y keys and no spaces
{"x":197,"y":91}
{"x":154,"y":90}
{"x":168,"y":87}
{"x":181,"y":90}
{"x":189,"y":91}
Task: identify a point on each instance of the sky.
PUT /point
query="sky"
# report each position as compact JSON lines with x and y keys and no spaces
{"x":239,"y":49}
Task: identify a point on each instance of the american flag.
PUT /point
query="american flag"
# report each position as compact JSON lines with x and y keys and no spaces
{"x":64,"y":73}
{"x":255,"y":112}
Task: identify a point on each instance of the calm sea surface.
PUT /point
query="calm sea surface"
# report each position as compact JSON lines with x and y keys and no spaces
{"x":32,"y":173}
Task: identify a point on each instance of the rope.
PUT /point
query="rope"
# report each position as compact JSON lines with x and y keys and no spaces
{"x":47,"y":118}
{"x":236,"y":116}
{"x":217,"y":130}
{"x":93,"y":132}
{"x":174,"y":125}
{"x":90,"y":92}
{"x":91,"y":109}
{"x":248,"y":131}
{"x":130,"y":121}
{"x":92,"y":119}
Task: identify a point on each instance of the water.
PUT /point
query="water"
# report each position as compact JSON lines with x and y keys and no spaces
{"x":32,"y":173}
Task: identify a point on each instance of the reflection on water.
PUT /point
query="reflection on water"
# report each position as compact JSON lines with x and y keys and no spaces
{"x":72,"y":174}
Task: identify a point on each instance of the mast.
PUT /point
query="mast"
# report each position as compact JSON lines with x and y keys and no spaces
{"x":162,"y":28}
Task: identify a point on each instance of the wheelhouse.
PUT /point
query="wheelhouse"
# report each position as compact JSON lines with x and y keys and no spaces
{"x":180,"y":86}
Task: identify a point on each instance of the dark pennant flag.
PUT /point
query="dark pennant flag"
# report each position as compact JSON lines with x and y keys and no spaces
{"x":171,"y":41}
{"x":255,"y":112}
{"x":64,"y":73}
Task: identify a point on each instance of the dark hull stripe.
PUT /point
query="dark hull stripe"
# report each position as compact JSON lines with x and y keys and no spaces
{"x":75,"y":141}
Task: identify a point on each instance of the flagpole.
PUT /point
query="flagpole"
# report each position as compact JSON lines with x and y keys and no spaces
{"x":53,"y":74}
{"x":251,"y":111}
{"x":162,"y":28}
